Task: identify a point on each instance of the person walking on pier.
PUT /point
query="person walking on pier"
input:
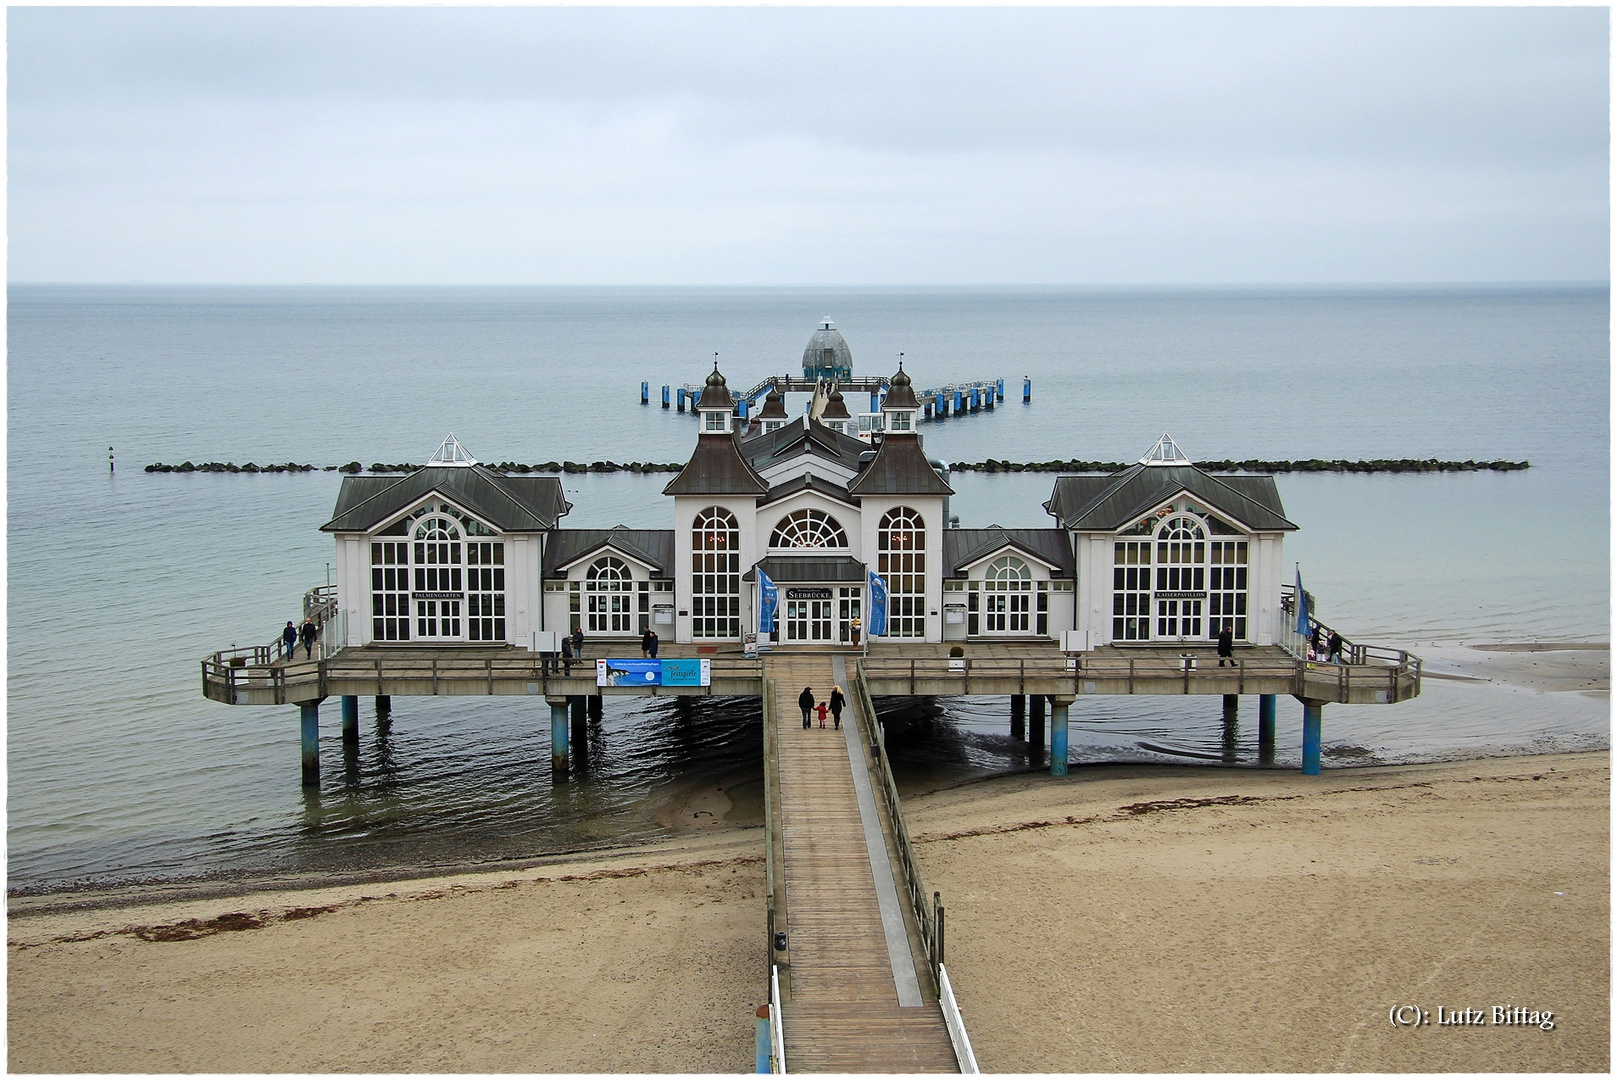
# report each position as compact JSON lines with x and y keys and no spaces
{"x":308,"y":635}
{"x":1336,"y":647}
{"x":1226,"y":644}
{"x":805,"y":701}
{"x":289,"y":640}
{"x":819,"y":710}
{"x":838,"y":703}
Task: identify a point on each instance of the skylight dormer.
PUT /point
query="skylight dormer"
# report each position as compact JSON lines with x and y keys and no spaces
{"x":451,"y":452}
{"x":1165,"y":452}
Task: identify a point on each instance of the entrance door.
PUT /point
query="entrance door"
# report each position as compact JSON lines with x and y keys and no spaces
{"x":437,"y":620}
{"x":797,"y":619}
{"x":996,"y":612}
{"x":819,"y":620}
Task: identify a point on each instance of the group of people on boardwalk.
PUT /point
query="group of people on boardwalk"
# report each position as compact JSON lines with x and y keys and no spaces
{"x":291,"y":636}
{"x":833,"y":705}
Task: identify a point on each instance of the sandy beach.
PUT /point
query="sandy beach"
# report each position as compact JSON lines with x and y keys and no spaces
{"x":1129,"y":919}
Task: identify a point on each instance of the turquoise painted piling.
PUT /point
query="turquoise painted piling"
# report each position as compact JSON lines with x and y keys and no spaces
{"x":761,"y":1042}
{"x":558,"y":736}
{"x":311,"y":743}
{"x":959,"y":402}
{"x":350,"y":718}
{"x":1027,"y":389}
{"x":645,"y":392}
{"x":1266,"y":728}
{"x":665,"y":395}
{"x":1058,"y":739}
{"x":976,"y":399}
{"x":1311,"y":732}
{"x":988,"y":398}
{"x":999,"y":388}
{"x":680,"y":397}
{"x":874,"y":407}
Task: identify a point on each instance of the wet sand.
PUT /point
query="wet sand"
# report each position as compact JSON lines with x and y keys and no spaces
{"x":1128,"y":919}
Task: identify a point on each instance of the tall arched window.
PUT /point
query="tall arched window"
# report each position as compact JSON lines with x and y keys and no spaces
{"x":438,"y":581}
{"x":901,"y":561}
{"x":1009,"y":589}
{"x":609,"y":595}
{"x":716,"y":575}
{"x":808,"y":529}
{"x":1192,"y":583}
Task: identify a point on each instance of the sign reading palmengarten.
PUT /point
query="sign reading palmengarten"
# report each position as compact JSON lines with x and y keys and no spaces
{"x":691,"y":672}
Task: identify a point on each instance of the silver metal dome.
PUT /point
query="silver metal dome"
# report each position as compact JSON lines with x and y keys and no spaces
{"x":827,"y":355}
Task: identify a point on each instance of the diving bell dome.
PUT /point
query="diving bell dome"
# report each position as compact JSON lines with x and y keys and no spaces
{"x":827,"y":355}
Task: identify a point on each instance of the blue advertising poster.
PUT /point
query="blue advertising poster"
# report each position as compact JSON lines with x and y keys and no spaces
{"x":768,"y":601}
{"x":691,"y":672}
{"x":628,"y":672}
{"x":878,"y":606}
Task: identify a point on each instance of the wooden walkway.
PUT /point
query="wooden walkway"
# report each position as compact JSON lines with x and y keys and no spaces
{"x":844,"y":1011}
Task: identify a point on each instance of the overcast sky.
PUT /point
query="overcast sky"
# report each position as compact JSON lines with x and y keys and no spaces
{"x":807,"y":146}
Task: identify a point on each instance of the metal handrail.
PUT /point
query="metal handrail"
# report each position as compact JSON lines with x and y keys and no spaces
{"x":928,"y":916}
{"x":771,"y":824}
{"x":777,"y":1026}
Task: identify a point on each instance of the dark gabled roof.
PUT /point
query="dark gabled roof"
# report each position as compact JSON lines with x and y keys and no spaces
{"x":793,"y":568}
{"x":963,"y":547}
{"x":654,"y":547}
{"x":508,"y":503}
{"x":1078,"y":503}
{"x":808,"y":482}
{"x":899,"y":468}
{"x":717,"y":468}
{"x":803,"y":436}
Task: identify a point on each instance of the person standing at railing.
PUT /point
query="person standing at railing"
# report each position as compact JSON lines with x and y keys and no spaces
{"x":289,"y":640}
{"x":1226,"y":643}
{"x":1336,"y":647}
{"x":308,"y":634}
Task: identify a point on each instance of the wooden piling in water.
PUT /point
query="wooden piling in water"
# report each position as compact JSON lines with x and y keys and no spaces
{"x":350,"y":718}
{"x":1019,"y":717}
{"x":1312,"y":724}
{"x":310,"y":715}
{"x":558,"y":734}
{"x":1266,"y":729}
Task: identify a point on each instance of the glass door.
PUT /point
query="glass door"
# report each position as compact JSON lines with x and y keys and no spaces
{"x":848,"y":602}
{"x":797,"y":620}
{"x":820,"y":620}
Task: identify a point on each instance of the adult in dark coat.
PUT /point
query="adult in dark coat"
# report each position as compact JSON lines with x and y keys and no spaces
{"x":838,"y":702}
{"x":289,"y":640}
{"x":1336,"y":647}
{"x":578,"y":642}
{"x":648,"y":644}
{"x":805,"y":701}
{"x":308,"y":634}
{"x":1226,"y":644}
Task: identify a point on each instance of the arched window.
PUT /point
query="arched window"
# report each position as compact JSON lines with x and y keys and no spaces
{"x":715,"y":574}
{"x":808,"y":529}
{"x":609,"y":589}
{"x":438,"y":570}
{"x":1190,"y":582}
{"x":901,"y":561}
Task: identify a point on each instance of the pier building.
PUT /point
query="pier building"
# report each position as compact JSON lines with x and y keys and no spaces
{"x":829,"y":541}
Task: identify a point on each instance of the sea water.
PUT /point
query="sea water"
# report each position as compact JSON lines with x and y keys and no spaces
{"x":120,"y":582}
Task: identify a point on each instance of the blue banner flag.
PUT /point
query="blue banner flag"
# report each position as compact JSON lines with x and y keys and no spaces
{"x":1302,"y":605}
{"x":768,"y":602}
{"x":878,"y":606}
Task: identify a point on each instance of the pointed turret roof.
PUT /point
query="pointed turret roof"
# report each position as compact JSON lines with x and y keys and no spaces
{"x":836,"y":408}
{"x":900,"y":394}
{"x":717,"y":468}
{"x":716,"y":394}
{"x":774,"y":406}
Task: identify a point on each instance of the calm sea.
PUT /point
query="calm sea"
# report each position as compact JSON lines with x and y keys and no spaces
{"x":118,"y":584}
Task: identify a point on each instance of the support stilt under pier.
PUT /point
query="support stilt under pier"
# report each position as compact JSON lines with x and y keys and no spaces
{"x":1232,"y":727}
{"x":384,"y":710}
{"x":1058,"y":735}
{"x":1312,"y":711}
{"x":1266,"y":729}
{"x":1035,"y":726}
{"x":1019,"y":717}
{"x":311,"y":742}
{"x":350,"y":718}
{"x":579,"y":707}
{"x":558,"y":734}
{"x":595,"y":706}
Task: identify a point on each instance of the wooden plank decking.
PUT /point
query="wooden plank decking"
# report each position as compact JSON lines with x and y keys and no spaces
{"x":843,"y":1012}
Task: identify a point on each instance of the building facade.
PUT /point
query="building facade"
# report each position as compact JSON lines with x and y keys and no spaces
{"x":1159,"y":553}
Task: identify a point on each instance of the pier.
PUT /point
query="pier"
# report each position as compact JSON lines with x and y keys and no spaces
{"x":937,"y":403}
